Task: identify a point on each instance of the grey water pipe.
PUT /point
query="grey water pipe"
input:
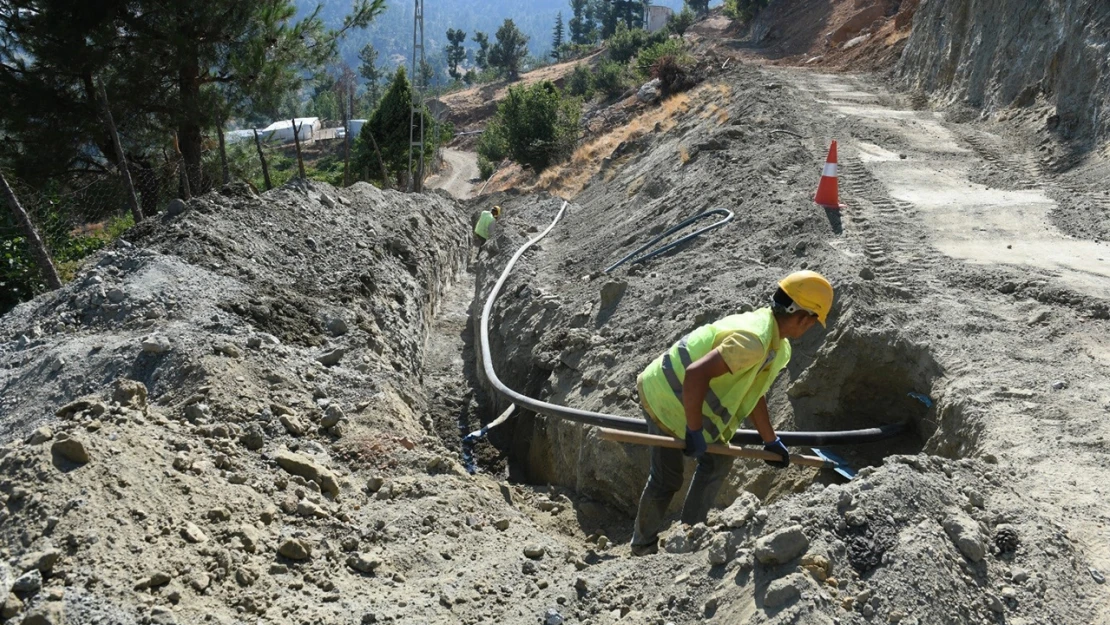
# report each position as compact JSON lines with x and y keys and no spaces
{"x":794,"y":439}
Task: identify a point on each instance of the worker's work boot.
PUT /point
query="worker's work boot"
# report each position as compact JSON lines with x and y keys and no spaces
{"x":645,"y":550}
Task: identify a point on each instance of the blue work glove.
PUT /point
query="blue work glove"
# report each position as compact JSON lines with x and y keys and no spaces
{"x":695,"y":443}
{"x":777,"y":447}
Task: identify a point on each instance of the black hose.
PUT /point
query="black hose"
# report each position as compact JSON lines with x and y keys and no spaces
{"x":717,"y":224}
{"x":794,"y":439}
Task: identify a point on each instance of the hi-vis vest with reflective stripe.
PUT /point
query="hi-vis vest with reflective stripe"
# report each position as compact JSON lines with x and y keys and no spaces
{"x":485,"y":220}
{"x":732,"y":396}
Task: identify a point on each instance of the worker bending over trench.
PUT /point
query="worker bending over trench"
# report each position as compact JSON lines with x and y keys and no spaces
{"x":705,"y":385}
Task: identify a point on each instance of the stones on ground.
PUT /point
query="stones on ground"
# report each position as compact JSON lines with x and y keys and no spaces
{"x":785,"y":590}
{"x":337,"y":326}
{"x":817,"y":565}
{"x":161,"y":615}
{"x":175,"y":207}
{"x":12,"y":607}
{"x":612,"y":292}
{"x":42,"y":561}
{"x":964,"y":531}
{"x":193,"y":534}
{"x":720,"y":549}
{"x":71,"y":449}
{"x":650,"y":91}
{"x":331,"y":357}
{"x":116,"y":295}
{"x":994,"y":603}
{"x":363,"y":563}
{"x":156,"y":344}
{"x":196,"y":412}
{"x":375,"y":484}
{"x":1097,"y":575}
{"x":130,"y":393}
{"x":40,"y":436}
{"x":740,"y":512}
{"x":29,"y":583}
{"x":781,"y":546}
{"x":228,"y":349}
{"x":534,"y":551}
{"x":292,"y":424}
{"x":200,"y":582}
{"x":253,"y":438}
{"x":333,"y":415}
{"x":678,"y":542}
{"x":46,"y":613}
{"x":552,"y":617}
{"x":155,"y":580}
{"x":307,"y":468}
{"x":501,"y":524}
{"x":294,"y":549}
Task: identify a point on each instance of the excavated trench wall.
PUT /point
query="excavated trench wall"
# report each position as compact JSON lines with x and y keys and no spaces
{"x":550,"y":344}
{"x":994,"y":54}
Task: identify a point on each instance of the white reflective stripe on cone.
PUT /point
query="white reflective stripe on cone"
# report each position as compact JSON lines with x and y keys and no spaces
{"x":830,"y":170}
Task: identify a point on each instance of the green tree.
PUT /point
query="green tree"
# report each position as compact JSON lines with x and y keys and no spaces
{"x":371,"y":73}
{"x":507,"y":54}
{"x":481,"y":58}
{"x":744,"y":10}
{"x":681,"y":21}
{"x":539,"y":125}
{"x":167,"y":64}
{"x":388,"y":128}
{"x":557,"y":37}
{"x":456,"y":54}
{"x":701,"y":7}
{"x":580,"y":27}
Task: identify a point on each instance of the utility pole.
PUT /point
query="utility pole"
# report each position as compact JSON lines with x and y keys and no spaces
{"x":416,"y":135}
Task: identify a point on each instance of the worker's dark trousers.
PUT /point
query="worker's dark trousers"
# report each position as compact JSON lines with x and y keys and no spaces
{"x":664,"y":481}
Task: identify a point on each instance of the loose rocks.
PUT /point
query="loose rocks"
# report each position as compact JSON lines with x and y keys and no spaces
{"x":71,"y":449}
{"x":785,"y":590}
{"x":964,"y":531}
{"x":781,"y":546}
{"x":306,"y":468}
{"x":294,"y":549}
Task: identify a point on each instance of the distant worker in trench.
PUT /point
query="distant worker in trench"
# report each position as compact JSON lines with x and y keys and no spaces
{"x":705,"y":385}
{"x":485,"y":220}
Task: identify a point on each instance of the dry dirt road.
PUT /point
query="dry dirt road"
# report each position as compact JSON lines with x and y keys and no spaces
{"x":954,"y":214}
{"x":459,"y":174}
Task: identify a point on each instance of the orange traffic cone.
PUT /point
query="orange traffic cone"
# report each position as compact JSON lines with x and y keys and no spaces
{"x":828,"y":194}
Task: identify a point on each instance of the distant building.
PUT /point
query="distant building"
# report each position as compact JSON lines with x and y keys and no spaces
{"x":282,"y":131}
{"x":656,"y":18}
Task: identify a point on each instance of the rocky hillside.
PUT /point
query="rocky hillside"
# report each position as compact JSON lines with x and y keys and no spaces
{"x":992,"y":54}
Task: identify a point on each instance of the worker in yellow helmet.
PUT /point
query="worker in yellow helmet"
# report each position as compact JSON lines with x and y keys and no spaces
{"x":485,"y":220}
{"x":706,"y":384}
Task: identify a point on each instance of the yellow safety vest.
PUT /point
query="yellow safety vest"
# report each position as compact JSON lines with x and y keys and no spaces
{"x":485,"y":220}
{"x":732,"y":396}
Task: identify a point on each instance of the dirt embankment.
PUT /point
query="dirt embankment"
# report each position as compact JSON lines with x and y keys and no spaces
{"x":995,"y":54}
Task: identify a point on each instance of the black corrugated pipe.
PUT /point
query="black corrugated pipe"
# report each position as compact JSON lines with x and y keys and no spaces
{"x":794,"y":439}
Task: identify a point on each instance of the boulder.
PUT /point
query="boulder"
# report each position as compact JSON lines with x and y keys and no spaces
{"x":781,"y":546}
{"x":294,"y":549}
{"x":129,"y":393}
{"x":71,"y":449}
{"x":964,"y":531}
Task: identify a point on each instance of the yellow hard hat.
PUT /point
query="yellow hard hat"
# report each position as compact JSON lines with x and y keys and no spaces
{"x":810,"y":291}
{"x":496,"y":211}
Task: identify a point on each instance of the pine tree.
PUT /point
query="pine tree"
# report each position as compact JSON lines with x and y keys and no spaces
{"x":579,"y":28}
{"x":701,"y":7}
{"x":557,"y":39}
{"x":456,"y":54}
{"x":369,"y":70}
{"x":481,"y":59}
{"x":176,"y":67}
{"x":388,"y":128}
{"x":509,"y":51}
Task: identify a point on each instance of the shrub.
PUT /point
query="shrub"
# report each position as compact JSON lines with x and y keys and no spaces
{"x":610,"y":79}
{"x":580,"y":82}
{"x":626,"y":42}
{"x":492,"y":145}
{"x":648,"y":56}
{"x":485,"y":168}
{"x":744,"y":10}
{"x":539,"y":125}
